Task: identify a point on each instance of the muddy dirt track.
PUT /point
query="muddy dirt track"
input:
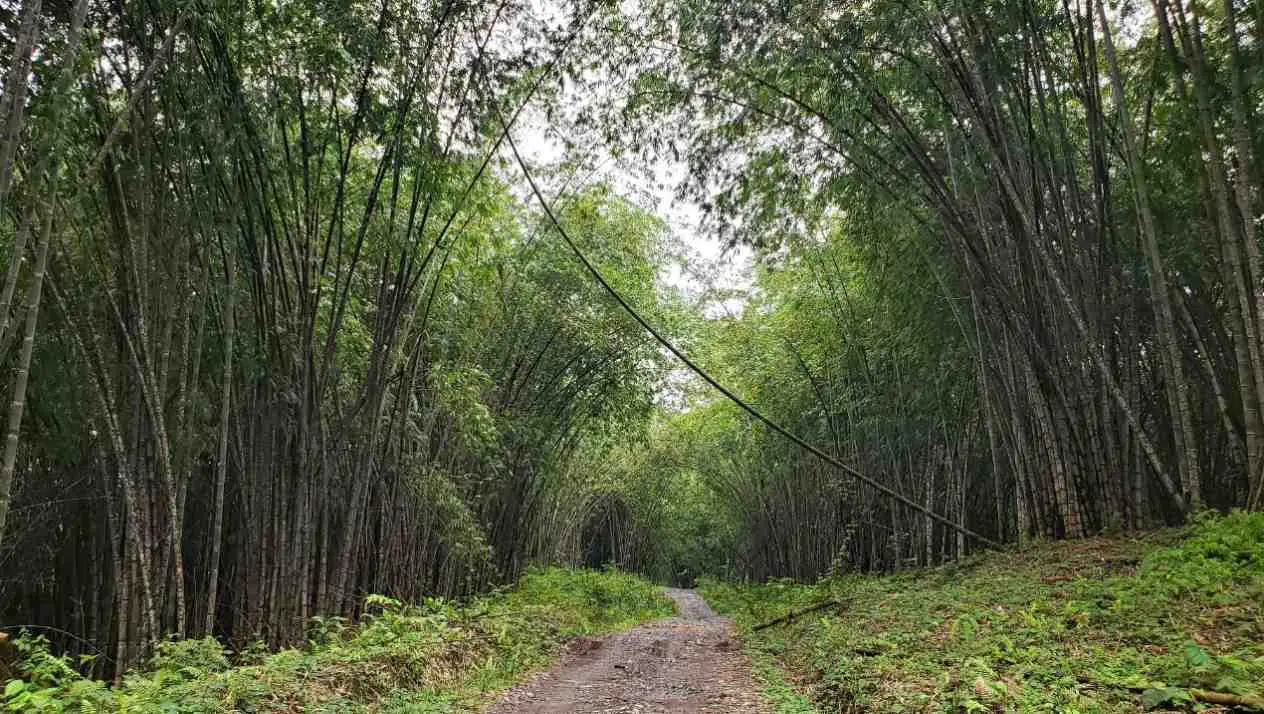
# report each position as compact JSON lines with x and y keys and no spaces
{"x":687,"y":663}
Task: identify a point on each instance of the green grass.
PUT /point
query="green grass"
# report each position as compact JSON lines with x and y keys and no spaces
{"x":1097,"y":625}
{"x":429,"y":658}
{"x":778,"y":690}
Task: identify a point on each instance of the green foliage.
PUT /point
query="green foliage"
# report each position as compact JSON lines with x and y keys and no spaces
{"x":916,"y":313}
{"x":830,"y":344}
{"x":1090,"y":626}
{"x":437,"y":656}
{"x":697,"y":533}
{"x":411,"y":346}
{"x":1220,"y":553}
{"x":194,"y":657}
{"x":783,"y":697}
{"x":52,"y":684}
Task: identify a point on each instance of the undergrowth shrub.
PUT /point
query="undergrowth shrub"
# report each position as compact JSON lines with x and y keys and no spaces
{"x":435,"y":656}
{"x":1218,"y":553}
{"x":1096,"y":625}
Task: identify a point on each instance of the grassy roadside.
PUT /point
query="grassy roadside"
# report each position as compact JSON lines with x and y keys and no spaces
{"x":1100,"y":625}
{"x":424,"y":659}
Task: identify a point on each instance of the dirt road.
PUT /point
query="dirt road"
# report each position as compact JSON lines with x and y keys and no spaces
{"x":687,"y":663}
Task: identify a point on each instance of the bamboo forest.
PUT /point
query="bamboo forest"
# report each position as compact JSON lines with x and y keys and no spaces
{"x":462,"y":355}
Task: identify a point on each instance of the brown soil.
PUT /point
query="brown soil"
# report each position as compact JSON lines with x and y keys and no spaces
{"x":687,"y":663}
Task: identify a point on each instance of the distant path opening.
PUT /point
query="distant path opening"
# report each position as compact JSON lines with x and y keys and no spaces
{"x":687,"y":663}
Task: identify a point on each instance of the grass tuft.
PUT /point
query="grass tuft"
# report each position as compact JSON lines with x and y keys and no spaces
{"x":428,"y":658}
{"x":1100,"y":625}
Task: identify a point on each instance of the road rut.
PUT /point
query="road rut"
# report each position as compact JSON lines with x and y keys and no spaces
{"x":687,"y":663}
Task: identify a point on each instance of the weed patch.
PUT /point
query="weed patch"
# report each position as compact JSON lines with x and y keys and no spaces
{"x":1100,"y":625}
{"x":419,"y":659}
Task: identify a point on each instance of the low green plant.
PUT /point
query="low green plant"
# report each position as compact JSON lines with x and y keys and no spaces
{"x":435,"y":656}
{"x":1104,"y":625}
{"x":52,"y":684}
